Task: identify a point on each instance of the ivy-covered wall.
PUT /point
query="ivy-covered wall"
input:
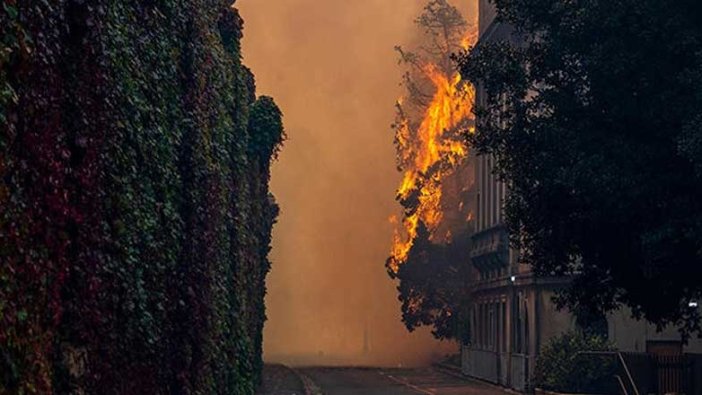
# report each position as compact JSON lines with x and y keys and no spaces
{"x":135,"y":215}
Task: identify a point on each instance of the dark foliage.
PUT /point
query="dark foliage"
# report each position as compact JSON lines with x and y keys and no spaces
{"x":594,"y":121}
{"x":564,"y":365}
{"x":434,"y":287}
{"x":135,"y":217}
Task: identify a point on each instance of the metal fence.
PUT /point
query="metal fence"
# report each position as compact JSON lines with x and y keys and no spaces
{"x":641,"y":367}
{"x":635,"y":373}
{"x":694,"y":374}
{"x":665,"y":374}
{"x":670,"y":372}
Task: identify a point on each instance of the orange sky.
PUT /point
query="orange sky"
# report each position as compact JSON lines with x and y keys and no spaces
{"x":331,"y":67}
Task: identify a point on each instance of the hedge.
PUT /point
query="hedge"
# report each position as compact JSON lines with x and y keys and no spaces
{"x":135,"y":215}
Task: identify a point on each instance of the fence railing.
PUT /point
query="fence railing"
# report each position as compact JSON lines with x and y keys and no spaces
{"x":622,"y":374}
{"x":694,"y":374}
{"x":641,"y":367}
{"x":670,"y":370}
{"x":664,"y":374}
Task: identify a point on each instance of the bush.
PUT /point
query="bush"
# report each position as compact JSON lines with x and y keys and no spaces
{"x":562,"y":367}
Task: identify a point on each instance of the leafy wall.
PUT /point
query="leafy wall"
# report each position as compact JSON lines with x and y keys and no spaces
{"x":135,"y":215}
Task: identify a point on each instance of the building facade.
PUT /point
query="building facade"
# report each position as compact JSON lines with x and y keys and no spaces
{"x":512,"y":313}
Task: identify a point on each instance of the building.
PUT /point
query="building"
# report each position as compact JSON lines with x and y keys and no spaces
{"x":513,"y":315}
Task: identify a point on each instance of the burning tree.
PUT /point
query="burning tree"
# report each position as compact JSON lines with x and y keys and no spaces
{"x":429,"y":252}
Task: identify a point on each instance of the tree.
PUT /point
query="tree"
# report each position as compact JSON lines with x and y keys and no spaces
{"x":594,"y":121}
{"x":431,"y":261}
{"x":444,"y":30}
{"x":433,"y":287}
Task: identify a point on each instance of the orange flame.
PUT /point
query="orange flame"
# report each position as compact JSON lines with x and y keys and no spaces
{"x":433,"y":146}
{"x":470,"y":39}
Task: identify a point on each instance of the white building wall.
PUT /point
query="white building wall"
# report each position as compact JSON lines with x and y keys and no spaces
{"x":487,"y":15}
{"x":630,"y":335}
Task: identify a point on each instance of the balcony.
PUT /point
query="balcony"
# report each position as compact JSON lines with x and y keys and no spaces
{"x":490,"y":249}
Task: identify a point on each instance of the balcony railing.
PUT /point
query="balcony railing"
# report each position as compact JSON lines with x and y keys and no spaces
{"x":490,"y":249}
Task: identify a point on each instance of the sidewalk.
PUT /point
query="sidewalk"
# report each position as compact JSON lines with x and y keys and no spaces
{"x":433,"y":381}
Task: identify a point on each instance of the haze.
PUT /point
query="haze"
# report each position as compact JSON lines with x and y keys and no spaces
{"x":332,"y":69}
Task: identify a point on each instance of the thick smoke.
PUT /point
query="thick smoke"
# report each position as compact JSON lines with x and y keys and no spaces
{"x":331,"y":67}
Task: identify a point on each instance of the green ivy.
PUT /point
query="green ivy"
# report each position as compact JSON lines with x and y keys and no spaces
{"x":136,"y":218}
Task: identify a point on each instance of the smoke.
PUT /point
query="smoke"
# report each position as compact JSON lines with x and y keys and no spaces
{"x":331,"y":67}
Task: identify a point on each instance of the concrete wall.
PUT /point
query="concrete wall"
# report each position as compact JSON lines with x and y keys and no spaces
{"x":552,"y":322}
{"x":631,"y":335}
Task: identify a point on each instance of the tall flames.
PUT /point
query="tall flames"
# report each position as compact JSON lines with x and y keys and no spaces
{"x":429,"y":151}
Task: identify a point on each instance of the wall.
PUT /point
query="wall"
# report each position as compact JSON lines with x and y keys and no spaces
{"x":487,"y":14}
{"x":631,"y":335}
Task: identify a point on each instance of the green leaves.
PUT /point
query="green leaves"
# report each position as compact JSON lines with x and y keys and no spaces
{"x":266,"y":133}
{"x":11,"y":10}
{"x":564,"y":365}
{"x":21,"y":316}
{"x":136,"y":214}
{"x":591,"y":112}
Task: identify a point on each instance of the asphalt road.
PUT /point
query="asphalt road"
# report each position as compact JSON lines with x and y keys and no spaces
{"x":369,"y":381}
{"x":280,"y":380}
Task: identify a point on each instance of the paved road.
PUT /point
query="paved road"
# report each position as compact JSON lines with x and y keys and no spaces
{"x":359,"y":381}
{"x":280,"y":380}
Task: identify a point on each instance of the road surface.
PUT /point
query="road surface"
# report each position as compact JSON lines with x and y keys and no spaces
{"x":371,"y":381}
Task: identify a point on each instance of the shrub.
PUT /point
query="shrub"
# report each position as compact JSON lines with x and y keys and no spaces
{"x":562,"y":366}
